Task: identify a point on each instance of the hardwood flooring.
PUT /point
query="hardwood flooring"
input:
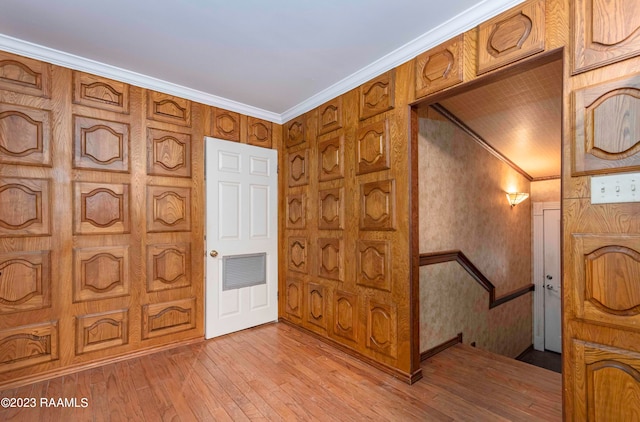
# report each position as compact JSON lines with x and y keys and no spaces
{"x":276,"y":372}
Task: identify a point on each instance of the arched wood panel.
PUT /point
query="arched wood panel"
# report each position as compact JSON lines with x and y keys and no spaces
{"x":29,"y":345}
{"x":604,"y":32}
{"x":98,"y":92}
{"x":168,"y":266}
{"x":25,"y":207}
{"x":25,"y":76}
{"x":373,"y":149}
{"x":225,"y":124}
{"x":345,"y":315}
{"x":100,"y":273}
{"x":607,"y":137}
{"x":298,"y":171}
{"x":607,"y":381}
{"x":25,"y":281}
{"x":377,"y":205}
{"x":169,"y":153}
{"x":330,"y":116}
{"x":102,"y":331}
{"x":25,"y":135}
{"x":441,"y":67}
{"x":296,"y":211}
{"x":511,"y":36}
{"x":168,"y":109}
{"x":100,"y":144}
{"x":377,"y":95}
{"x":161,"y":319}
{"x":259,"y":132}
{"x":101,"y":208}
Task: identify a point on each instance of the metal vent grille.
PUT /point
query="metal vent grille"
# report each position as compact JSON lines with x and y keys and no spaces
{"x":240,"y":271}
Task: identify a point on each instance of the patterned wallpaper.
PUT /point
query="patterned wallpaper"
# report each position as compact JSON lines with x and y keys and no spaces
{"x":463,"y":206}
{"x":545,"y":191}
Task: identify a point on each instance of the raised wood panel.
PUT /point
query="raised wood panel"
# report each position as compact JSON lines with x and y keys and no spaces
{"x":225,"y":124}
{"x":168,"y":109}
{"x":607,"y":271}
{"x":382,"y":328}
{"x":63,"y":219}
{"x":607,"y":137}
{"x":606,"y":383}
{"x":25,"y":76}
{"x":100,"y":272}
{"x":25,"y":207}
{"x":377,"y":95}
{"x":295,"y":132}
{"x":373,"y":147}
{"x":511,"y":36}
{"x":331,"y":209}
{"x":101,"y":331}
{"x":331,"y":258}
{"x":331,"y":159}
{"x":160,"y":319}
{"x":298,"y":173}
{"x":259,"y":132}
{"x":296,"y":211}
{"x":101,"y":208}
{"x":168,"y":266}
{"x":374,"y":264}
{"x":98,"y":92}
{"x":168,"y":209}
{"x":25,"y":281}
{"x":25,"y":135}
{"x":297,"y":249}
{"x":603,"y":32}
{"x":293,"y":297}
{"x":168,"y":153}
{"x":441,"y":67}
{"x":330,"y":116}
{"x":317,"y":305}
{"x":377,"y":205}
{"x":611,"y":274}
{"x":28,"y":345}
{"x":100,"y":144}
{"x":345,"y":314}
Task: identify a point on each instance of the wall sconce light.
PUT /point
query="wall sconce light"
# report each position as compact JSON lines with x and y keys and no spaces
{"x":515,"y":198}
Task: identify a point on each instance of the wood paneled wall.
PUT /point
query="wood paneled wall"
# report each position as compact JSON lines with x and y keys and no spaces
{"x":323,"y":283}
{"x":345,"y":190}
{"x":101,"y":217}
{"x":102,"y":206}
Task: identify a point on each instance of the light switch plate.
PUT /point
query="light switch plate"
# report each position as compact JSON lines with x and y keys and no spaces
{"x":615,"y":188}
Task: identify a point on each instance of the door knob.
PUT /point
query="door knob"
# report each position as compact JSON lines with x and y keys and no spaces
{"x":549,"y":287}
{"x":213,"y":253}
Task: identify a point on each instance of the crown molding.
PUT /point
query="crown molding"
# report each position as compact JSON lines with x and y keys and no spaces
{"x":458,"y":24}
{"x":445,"y":31}
{"x":60,"y":58}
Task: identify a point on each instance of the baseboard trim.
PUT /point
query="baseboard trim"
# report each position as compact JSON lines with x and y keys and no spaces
{"x":67,"y":370}
{"x":409,"y":378}
{"x":441,"y":347}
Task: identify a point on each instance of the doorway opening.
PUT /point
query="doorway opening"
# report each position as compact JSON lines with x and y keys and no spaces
{"x":475,"y":143}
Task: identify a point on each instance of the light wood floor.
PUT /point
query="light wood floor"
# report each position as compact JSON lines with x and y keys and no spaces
{"x":276,"y":372}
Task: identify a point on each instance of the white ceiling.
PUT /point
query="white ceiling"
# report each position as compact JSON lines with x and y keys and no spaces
{"x":270,"y":59}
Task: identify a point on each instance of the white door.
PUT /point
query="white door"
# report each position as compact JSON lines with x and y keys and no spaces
{"x":552,"y":282}
{"x":242,"y":236}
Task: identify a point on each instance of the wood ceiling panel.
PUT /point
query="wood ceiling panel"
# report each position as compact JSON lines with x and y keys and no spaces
{"x":520,"y":116}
